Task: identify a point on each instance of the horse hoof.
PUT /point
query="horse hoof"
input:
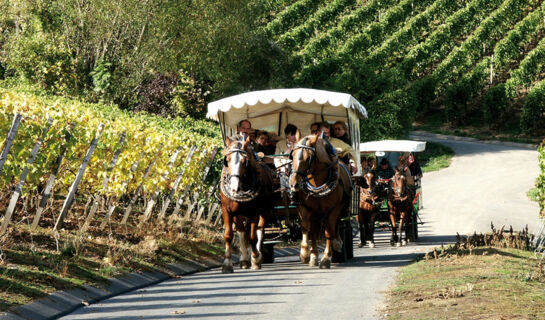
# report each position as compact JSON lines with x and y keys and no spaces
{"x":226,"y":269}
{"x":244,"y":264}
{"x":256,"y":266}
{"x":403,"y":243}
{"x":304,"y":260}
{"x":371,"y":244}
{"x":313,"y":262}
{"x":325,"y":264}
{"x":360,"y":245}
{"x":398,"y":244}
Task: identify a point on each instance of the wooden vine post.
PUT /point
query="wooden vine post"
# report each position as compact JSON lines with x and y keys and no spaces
{"x":128,"y":210}
{"x":72,"y":191}
{"x":100,"y":199}
{"x":112,"y":203}
{"x":9,"y":141}
{"x":153,"y":200}
{"x":176,"y":183}
{"x":46,"y":194}
{"x":19,"y":188}
{"x":204,"y":175}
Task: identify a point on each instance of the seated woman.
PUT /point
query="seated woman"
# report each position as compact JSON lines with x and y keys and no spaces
{"x":340,"y":131}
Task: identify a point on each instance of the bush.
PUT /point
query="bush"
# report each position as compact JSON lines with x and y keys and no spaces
{"x":424,"y":93}
{"x":456,"y":100}
{"x":495,"y":103}
{"x":390,"y":116}
{"x":532,"y":116}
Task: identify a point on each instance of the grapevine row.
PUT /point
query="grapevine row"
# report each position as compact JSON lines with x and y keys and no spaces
{"x":359,"y":18}
{"x":291,"y":16}
{"x":80,"y":122}
{"x":529,"y":69}
{"x":471,"y":49}
{"x":508,"y":49}
{"x":370,"y":36}
{"x":410,"y":34}
{"x":443,"y":39}
{"x":319,"y":21}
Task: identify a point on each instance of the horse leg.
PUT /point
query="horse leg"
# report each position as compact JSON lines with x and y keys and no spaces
{"x":227,"y":266}
{"x":361,"y":227}
{"x":313,"y":262}
{"x":260,"y":231}
{"x":371,"y":229}
{"x":257,"y":258}
{"x":394,"y":239}
{"x":244,"y":247}
{"x":401,"y":227}
{"x":330,"y":234}
{"x":305,"y":229}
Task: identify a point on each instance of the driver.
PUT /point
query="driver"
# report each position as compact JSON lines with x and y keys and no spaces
{"x":384,"y":170}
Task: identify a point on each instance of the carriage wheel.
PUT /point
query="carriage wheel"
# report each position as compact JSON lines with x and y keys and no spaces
{"x":412,"y":228}
{"x":343,"y":255}
{"x":267,"y":250}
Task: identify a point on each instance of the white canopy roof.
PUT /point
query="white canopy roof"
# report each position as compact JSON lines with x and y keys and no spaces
{"x":259,"y":103}
{"x":393,"y":145}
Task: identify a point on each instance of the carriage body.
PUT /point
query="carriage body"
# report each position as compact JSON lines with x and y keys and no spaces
{"x":271,"y":111}
{"x":391,"y":150}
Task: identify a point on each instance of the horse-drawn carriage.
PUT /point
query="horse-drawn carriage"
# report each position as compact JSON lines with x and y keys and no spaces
{"x":391,"y":200}
{"x":248,"y":196}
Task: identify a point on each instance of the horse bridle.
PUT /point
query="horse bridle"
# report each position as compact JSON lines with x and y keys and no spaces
{"x":300,"y":158}
{"x":243,"y":196}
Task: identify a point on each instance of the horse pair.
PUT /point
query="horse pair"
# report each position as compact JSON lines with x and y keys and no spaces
{"x":321,"y":183}
{"x":372,"y":193}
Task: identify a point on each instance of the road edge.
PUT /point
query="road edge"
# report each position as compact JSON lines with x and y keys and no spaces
{"x":424,"y":134}
{"x":61,"y":303}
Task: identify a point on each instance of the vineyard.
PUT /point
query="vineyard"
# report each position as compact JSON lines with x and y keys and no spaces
{"x":72,"y":165}
{"x":468,"y":59}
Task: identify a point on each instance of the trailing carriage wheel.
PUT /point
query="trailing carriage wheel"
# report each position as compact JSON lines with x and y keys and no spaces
{"x":347,"y":250}
{"x":267,"y":250}
{"x":412,"y":227}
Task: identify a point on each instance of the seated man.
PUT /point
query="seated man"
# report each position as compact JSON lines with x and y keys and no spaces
{"x":244,"y":128}
{"x":343,"y":150}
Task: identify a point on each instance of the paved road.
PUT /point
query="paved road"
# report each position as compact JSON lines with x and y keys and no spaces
{"x":485,"y":182}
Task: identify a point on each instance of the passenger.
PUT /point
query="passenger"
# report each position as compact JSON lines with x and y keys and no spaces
{"x":286,"y":146}
{"x":416,"y":170}
{"x":340,"y":131}
{"x":262,"y":140}
{"x":343,"y":150}
{"x":243,"y":129}
{"x":315,"y":128}
{"x":272,"y":141}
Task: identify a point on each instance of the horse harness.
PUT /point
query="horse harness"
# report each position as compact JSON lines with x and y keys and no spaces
{"x":245,"y":195}
{"x":333,"y":176}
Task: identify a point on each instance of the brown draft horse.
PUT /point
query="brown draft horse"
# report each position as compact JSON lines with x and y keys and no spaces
{"x":400,"y":205}
{"x":368,"y":210}
{"x":323,"y":186}
{"x":246,"y":200}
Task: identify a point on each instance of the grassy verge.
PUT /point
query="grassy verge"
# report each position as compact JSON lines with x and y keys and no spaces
{"x":33,"y":265}
{"x":484,"y":282}
{"x":436,"y":156}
